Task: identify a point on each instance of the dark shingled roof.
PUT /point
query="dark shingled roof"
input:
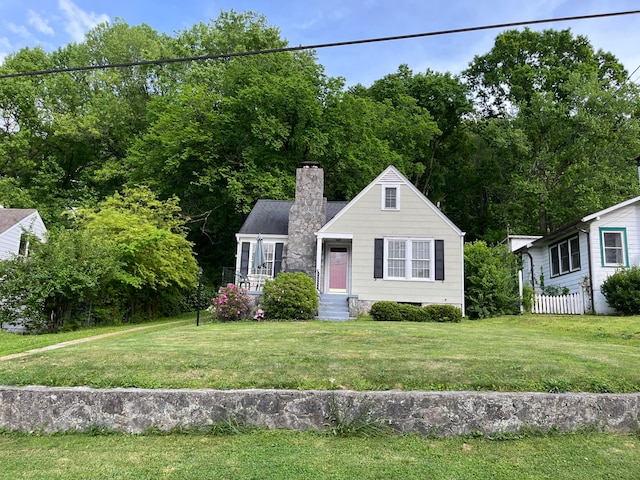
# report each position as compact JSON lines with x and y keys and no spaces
{"x":10,"y":216}
{"x":271,"y":217}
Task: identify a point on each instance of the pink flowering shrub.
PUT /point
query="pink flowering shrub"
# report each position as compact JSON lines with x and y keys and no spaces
{"x":230,"y":304}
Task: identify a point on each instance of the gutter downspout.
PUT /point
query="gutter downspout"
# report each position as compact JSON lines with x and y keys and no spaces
{"x":533,"y":278}
{"x":589,"y":259}
{"x":464,"y":313}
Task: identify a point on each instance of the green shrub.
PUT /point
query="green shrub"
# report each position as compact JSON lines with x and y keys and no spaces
{"x":398,"y":312}
{"x":443,"y":313}
{"x":290,"y":296}
{"x":230,"y":304}
{"x":528,"y":294}
{"x":491,"y":286}
{"x":189,"y":302}
{"x":414,"y":313}
{"x":386,"y":312}
{"x":622,"y":291}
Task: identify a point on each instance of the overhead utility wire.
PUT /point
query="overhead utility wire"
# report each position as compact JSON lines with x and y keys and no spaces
{"x":314,"y":47}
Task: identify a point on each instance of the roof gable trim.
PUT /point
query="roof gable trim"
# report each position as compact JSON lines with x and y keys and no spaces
{"x":626,"y":203}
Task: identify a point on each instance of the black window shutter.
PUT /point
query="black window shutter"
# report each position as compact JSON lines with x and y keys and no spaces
{"x":277,"y":259}
{"x":244,"y":259}
{"x":439,"y":259}
{"x":378,"y":258}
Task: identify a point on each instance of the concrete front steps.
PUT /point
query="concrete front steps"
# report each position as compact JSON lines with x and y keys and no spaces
{"x":334,"y":308}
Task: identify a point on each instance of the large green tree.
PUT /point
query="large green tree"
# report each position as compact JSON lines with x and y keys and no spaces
{"x":433,"y":150}
{"x":63,"y":137}
{"x":23,"y":131}
{"x":559,"y":128}
{"x":525,"y":62}
{"x":234,"y":130}
{"x":148,"y":237}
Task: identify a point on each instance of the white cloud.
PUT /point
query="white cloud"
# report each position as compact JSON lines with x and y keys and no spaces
{"x":77,"y":21}
{"x":39,"y":23}
{"x":19,"y":30}
{"x":5,"y":48}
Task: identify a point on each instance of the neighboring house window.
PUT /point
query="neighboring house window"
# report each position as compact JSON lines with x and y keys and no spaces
{"x":391,"y":198}
{"x":408,"y":258}
{"x":565,"y":256}
{"x":267,"y":268}
{"x":23,"y":249}
{"x":613,"y":244}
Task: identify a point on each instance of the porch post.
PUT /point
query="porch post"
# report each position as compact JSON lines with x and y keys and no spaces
{"x":318,"y":263}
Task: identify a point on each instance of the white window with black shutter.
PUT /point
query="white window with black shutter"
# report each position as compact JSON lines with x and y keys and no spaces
{"x":420,"y":259}
{"x":273,"y":259}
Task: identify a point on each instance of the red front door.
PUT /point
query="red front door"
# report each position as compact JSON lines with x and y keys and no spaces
{"x":338,"y":266}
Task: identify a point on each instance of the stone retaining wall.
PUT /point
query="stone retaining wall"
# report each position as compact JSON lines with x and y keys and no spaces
{"x":437,"y":413}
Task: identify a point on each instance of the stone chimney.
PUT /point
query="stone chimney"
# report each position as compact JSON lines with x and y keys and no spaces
{"x":307,"y":215}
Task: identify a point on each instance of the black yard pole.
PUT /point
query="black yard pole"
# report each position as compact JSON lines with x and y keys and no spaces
{"x":199,"y":295}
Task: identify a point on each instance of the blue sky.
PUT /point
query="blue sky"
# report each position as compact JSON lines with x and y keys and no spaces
{"x":54,"y":23}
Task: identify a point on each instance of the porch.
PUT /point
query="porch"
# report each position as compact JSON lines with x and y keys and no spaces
{"x":252,"y":282}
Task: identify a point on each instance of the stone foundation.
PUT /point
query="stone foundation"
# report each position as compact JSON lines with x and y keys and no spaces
{"x":428,"y":413}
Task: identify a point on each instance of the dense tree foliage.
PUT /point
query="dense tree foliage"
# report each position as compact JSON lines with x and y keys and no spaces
{"x":126,"y":260}
{"x":59,"y":283}
{"x":491,"y":280}
{"x":148,"y":239}
{"x":536,"y":132}
{"x":562,"y":124}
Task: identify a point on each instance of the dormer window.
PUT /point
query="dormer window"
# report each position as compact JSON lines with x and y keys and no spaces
{"x":391,"y":197}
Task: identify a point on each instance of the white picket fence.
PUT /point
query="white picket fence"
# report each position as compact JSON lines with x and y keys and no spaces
{"x":571,"y":304}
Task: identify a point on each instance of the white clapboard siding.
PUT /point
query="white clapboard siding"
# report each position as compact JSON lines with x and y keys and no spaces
{"x":571,"y":304}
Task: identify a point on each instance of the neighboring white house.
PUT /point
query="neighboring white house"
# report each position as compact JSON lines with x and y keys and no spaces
{"x":582,"y":255}
{"x":388,"y":243}
{"x":17,"y":225}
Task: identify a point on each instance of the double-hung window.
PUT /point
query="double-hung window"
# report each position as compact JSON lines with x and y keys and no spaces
{"x":613,"y":244}
{"x":391,"y":197}
{"x":267,"y":267}
{"x":565,"y":256}
{"x":409,"y":258}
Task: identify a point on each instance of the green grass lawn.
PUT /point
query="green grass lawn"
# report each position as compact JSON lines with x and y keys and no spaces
{"x":523,"y":353}
{"x":516,"y":353}
{"x":295,"y":455}
{"x":11,"y":343}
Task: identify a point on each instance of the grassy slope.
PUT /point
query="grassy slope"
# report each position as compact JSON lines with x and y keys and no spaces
{"x":526,"y":353}
{"x":11,"y":343}
{"x":551,"y":353}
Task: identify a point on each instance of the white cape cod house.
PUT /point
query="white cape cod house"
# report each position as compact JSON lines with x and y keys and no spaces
{"x":388,"y":243}
{"x":579,"y":257}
